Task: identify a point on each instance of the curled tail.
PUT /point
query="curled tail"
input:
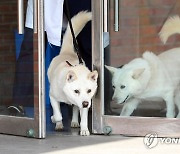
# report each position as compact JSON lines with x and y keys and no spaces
{"x":170,"y":27}
{"x":78,"y":23}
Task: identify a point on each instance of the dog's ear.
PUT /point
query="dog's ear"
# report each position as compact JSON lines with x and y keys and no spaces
{"x":111,"y":69}
{"x":71,"y":76}
{"x":93,"y":76}
{"x":137,"y":73}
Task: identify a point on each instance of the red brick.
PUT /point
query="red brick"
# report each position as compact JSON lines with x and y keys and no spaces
{"x":155,"y":3}
{"x":158,"y":12}
{"x":126,"y":22}
{"x":149,"y":40}
{"x":36,"y":67}
{"x":144,"y":21}
{"x":129,"y":3}
{"x":144,"y":11}
{"x":148,"y":30}
{"x":128,"y":12}
{"x":125,"y":32}
{"x":123,"y":41}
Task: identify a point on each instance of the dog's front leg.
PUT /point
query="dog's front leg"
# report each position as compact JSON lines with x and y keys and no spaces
{"x":56,"y":117}
{"x":129,"y":107}
{"x":75,"y":122}
{"x":170,"y":105}
{"x":84,"y":122}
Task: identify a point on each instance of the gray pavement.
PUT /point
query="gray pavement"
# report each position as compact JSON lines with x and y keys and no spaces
{"x":57,"y":143}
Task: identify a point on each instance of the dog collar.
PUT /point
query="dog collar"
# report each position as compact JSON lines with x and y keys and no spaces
{"x":69,"y":63}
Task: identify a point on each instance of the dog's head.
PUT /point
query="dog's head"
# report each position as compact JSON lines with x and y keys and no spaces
{"x":126,"y":83}
{"x":80,"y":86}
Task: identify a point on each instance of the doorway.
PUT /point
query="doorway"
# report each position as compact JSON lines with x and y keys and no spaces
{"x":122,"y":31}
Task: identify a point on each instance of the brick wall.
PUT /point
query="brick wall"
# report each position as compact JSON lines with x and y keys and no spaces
{"x":140,"y":22}
{"x":8,"y":24}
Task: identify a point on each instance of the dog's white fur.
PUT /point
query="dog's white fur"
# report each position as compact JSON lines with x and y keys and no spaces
{"x":151,"y":77}
{"x":71,"y":84}
{"x":170,"y":27}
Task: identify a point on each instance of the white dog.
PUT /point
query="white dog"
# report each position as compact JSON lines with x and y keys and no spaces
{"x":71,"y":82}
{"x":150,"y":77}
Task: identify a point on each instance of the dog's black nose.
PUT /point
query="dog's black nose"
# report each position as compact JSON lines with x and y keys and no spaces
{"x":85,"y":104}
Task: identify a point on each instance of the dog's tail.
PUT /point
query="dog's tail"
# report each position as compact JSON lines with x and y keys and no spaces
{"x":78,"y":23}
{"x":171,"y":26}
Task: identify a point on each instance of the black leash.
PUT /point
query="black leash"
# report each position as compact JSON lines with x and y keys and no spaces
{"x":75,"y":43}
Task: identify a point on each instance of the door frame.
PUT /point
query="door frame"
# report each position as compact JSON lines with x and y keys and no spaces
{"x":105,"y":124}
{"x":24,"y":126}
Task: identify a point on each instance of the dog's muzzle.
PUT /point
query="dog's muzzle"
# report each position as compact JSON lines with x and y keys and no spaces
{"x":85,"y":104}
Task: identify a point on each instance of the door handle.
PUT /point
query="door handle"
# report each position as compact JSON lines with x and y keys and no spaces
{"x":105,"y":16}
{"x":35,"y":14}
{"x":20,"y":16}
{"x":116,"y":15}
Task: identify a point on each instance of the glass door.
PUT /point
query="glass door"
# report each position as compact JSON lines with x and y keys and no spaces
{"x":22,"y":107}
{"x":122,"y":31}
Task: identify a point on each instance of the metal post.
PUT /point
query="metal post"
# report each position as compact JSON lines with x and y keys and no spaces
{"x":20,"y":16}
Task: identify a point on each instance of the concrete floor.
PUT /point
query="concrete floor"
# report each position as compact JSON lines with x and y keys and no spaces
{"x":57,"y":143}
{"x":69,"y":142}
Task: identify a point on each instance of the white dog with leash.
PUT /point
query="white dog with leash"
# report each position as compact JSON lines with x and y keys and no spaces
{"x":71,"y":82}
{"x":150,"y":77}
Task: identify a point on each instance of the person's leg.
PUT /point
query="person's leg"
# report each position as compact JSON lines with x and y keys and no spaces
{"x":23,"y":85}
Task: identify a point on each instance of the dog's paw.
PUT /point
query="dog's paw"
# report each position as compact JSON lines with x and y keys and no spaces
{"x":84,"y":133}
{"x":53,"y":120}
{"x":59,"y":126}
{"x":74,"y":124}
{"x":170,"y":114}
{"x":178,"y":116}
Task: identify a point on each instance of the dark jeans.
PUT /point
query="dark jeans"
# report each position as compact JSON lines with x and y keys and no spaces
{"x":23,"y":89}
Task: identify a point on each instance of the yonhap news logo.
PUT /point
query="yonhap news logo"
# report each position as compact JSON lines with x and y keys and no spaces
{"x":151,"y":140}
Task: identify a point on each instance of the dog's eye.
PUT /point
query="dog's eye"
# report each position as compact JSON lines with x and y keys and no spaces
{"x":113,"y":87}
{"x":76,"y":91}
{"x":89,"y":90}
{"x":122,"y":86}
